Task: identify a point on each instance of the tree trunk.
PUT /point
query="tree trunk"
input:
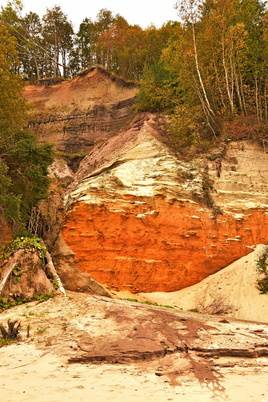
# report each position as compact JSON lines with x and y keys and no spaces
{"x":199,"y":73}
{"x":257,"y":99}
{"x":37,"y":69}
{"x":227,"y":79}
{"x":238,"y":91}
{"x":265,"y":101}
{"x":52,"y":271}
{"x":12,"y":265}
{"x":219,"y":85}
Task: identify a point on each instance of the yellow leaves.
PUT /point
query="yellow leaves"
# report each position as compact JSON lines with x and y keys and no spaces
{"x":12,"y":105}
{"x":8,"y":53}
{"x":237,"y":35}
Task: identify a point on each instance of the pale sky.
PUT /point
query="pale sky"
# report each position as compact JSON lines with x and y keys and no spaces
{"x":140,"y":12}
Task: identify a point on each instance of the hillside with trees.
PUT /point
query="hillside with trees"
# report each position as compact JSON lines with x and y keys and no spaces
{"x":23,"y":161}
{"x":49,"y":47}
{"x":212,"y":76}
{"x":209,"y":71}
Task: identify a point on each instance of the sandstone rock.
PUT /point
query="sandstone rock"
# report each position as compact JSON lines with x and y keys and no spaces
{"x":74,"y":114}
{"x":242,"y":181}
{"x":60,"y":171}
{"x":136,"y":220}
{"x":174,"y":341}
{"x":28,"y":279}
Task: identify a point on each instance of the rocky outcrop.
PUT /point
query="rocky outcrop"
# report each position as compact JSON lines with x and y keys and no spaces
{"x":137,"y":217}
{"x":24,"y":276}
{"x":75,"y":114}
{"x":240,"y":177}
{"x":150,"y":333}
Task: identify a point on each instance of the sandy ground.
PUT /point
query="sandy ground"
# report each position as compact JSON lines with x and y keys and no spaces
{"x":37,"y":368}
{"x":30,"y":375}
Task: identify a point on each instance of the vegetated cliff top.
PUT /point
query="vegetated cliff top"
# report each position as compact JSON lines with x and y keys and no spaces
{"x":90,"y":86}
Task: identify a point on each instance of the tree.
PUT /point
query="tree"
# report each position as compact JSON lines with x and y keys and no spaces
{"x":57,"y":37}
{"x":190,"y":11}
{"x":105,"y":19}
{"x":11,"y":16}
{"x":83,"y":54}
{"x":12,"y":106}
{"x":214,"y":70}
{"x":23,"y":161}
{"x":32,"y":53}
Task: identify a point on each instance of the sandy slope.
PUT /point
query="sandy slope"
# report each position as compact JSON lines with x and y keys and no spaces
{"x":231,"y":291}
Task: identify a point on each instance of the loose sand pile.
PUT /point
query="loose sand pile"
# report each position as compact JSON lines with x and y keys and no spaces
{"x":231,"y":291}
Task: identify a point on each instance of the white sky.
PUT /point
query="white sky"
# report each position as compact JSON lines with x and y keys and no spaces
{"x":140,"y":12}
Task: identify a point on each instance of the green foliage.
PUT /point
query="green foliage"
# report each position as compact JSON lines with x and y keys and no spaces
{"x":55,"y":284}
{"x":217,"y":64}
{"x":57,"y":34}
{"x":187,"y":127}
{"x":157,"y":92}
{"x":262,"y":267}
{"x":6,"y":303}
{"x":40,"y":330}
{"x":23,"y":161}
{"x":207,"y":71}
{"x":28,"y":244}
{"x":17,"y":270}
{"x":27,"y":162}
{"x":5,"y":342}
{"x":150,"y":304}
{"x":12,"y":106}
{"x":48,"y":46}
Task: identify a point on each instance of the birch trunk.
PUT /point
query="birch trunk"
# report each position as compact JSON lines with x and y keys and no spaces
{"x":199,"y":73}
{"x":227,"y":79}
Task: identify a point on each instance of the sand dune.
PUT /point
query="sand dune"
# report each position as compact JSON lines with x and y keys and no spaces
{"x":231,"y":291}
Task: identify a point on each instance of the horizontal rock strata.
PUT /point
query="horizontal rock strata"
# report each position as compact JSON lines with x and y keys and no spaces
{"x":136,"y":220}
{"x":74,"y":114}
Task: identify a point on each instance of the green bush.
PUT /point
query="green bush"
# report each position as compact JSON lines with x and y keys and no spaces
{"x":28,"y":244}
{"x":262,"y":267}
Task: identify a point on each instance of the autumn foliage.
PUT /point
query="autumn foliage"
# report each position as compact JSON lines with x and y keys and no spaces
{"x":208,"y":70}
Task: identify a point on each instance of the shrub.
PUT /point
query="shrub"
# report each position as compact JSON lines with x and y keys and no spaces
{"x":262,"y":267}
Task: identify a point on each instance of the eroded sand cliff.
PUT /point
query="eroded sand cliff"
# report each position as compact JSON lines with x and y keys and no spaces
{"x":137,"y":217}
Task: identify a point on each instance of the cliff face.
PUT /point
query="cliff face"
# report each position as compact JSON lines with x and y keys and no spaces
{"x":136,"y":219}
{"x":74,"y":114}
